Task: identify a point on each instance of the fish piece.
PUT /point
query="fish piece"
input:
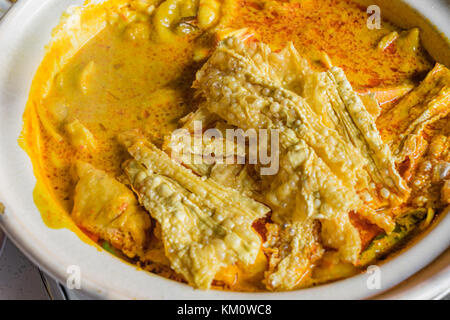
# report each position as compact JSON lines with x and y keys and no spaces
{"x":80,"y":136}
{"x":387,"y":40}
{"x":108,"y":209}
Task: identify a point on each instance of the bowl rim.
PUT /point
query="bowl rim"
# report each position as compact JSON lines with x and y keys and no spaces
{"x":94,"y":283}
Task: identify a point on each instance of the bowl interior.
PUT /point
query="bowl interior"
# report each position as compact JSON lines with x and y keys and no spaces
{"x":24,"y":32}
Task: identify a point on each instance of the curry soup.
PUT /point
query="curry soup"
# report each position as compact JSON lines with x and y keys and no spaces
{"x":96,"y":132}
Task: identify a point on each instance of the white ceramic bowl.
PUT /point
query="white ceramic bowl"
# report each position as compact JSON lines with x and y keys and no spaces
{"x":24,"y":32}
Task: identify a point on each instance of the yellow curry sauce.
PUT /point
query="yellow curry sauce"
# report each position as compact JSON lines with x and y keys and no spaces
{"x":137,"y":73}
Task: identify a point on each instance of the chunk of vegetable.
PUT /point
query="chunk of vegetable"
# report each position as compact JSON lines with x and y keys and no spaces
{"x":208,"y":13}
{"x":383,"y":244}
{"x":80,"y":136}
{"x":410,"y":41}
{"x":86,"y":76}
{"x":387,"y":40}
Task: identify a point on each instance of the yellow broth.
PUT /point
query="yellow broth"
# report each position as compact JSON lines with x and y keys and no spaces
{"x":129,"y":76}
